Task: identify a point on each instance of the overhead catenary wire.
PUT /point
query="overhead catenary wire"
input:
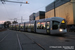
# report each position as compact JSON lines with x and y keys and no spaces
{"x":19,"y":13}
{"x":38,"y":8}
{"x":15,"y":19}
{"x":31,"y":11}
{"x":6,"y":11}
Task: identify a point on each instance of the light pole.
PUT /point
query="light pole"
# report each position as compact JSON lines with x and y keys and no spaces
{"x":54,"y":9}
{"x":21,"y":19}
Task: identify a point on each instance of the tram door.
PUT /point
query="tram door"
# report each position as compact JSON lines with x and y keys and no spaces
{"x":48,"y":27}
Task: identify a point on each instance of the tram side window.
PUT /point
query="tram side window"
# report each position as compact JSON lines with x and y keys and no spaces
{"x":13,"y":26}
{"x":22,"y":26}
{"x":28,"y":25}
{"x":55,"y":25}
{"x":48,"y":25}
{"x":38,"y":25}
{"x":10,"y":26}
{"x":32,"y":25}
{"x":17,"y":26}
{"x":41,"y":25}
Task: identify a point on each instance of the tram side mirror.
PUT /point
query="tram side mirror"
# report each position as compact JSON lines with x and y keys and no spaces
{"x":55,"y":27}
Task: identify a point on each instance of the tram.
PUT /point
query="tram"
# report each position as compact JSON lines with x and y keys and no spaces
{"x":10,"y":26}
{"x":21,"y":27}
{"x":54,"y":25}
{"x":17,"y":27}
{"x":30,"y":26}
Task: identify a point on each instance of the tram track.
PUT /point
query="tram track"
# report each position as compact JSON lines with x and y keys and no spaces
{"x":20,"y":43}
{"x":67,"y":38}
{"x":35,"y":42}
{"x":70,"y":37}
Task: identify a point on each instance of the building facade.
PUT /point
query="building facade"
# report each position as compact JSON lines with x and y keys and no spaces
{"x":63,"y":8}
{"x":40,"y":15}
{"x":32,"y":17}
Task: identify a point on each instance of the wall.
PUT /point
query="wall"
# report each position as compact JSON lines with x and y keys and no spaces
{"x":37,"y":18}
{"x":73,"y":2}
{"x":66,"y":11}
{"x":40,"y":15}
{"x":49,"y":14}
{"x":32,"y":17}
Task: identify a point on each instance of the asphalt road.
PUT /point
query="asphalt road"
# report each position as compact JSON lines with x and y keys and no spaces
{"x":16,"y":40}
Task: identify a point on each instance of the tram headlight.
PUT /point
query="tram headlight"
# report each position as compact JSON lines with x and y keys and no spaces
{"x":60,"y":30}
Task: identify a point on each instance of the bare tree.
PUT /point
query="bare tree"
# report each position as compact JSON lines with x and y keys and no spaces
{"x":6,"y":24}
{"x":14,"y":22}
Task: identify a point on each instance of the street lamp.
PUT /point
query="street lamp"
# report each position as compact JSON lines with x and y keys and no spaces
{"x":26,"y":2}
{"x":14,"y":1}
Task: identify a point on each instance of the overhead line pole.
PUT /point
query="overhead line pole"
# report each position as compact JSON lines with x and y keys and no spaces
{"x":54,"y":10}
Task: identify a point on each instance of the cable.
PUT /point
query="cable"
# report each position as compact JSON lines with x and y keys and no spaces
{"x":19,"y":11}
{"x":6,"y":10}
{"x":38,"y":9}
{"x":31,"y":11}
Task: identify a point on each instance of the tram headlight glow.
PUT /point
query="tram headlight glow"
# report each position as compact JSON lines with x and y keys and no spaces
{"x":60,"y":30}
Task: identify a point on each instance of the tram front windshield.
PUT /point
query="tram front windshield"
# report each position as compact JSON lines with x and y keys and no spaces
{"x":63,"y":25}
